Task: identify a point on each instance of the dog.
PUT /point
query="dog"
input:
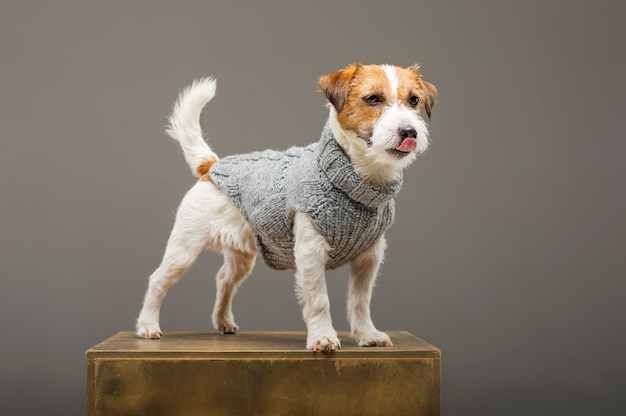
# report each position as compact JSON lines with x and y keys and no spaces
{"x":309,"y":208}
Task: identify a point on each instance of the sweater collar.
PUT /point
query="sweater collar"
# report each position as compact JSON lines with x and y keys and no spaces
{"x":337,"y":167}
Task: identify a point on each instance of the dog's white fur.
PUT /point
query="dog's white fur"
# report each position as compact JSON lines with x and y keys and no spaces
{"x":207,"y":219}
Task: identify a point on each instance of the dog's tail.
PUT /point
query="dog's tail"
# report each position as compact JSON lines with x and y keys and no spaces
{"x":184,"y":126}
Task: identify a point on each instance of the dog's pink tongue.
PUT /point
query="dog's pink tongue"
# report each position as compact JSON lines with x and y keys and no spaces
{"x":408,"y":145}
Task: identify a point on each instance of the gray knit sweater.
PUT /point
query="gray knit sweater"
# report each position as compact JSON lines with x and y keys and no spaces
{"x":268,"y":187}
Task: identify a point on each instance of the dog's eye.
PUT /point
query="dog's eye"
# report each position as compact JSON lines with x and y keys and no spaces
{"x":373,"y":99}
{"x":414,"y":100}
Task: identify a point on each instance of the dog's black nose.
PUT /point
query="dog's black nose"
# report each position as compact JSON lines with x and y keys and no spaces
{"x":408,"y":132}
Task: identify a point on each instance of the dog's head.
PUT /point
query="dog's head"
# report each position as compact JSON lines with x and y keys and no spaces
{"x":376,"y":115}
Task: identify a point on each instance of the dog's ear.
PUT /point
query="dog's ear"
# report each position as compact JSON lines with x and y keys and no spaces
{"x":431,"y":97}
{"x":335,"y":86}
{"x":429,"y":90}
{"x":417,"y":68}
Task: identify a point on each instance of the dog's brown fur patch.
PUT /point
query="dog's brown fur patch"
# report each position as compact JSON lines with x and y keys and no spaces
{"x":203,"y":169}
{"x":357,"y":115}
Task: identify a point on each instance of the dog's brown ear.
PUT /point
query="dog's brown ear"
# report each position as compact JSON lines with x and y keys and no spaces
{"x":335,"y":86}
{"x":431,"y":97}
{"x":429,"y":90}
{"x":417,"y":69}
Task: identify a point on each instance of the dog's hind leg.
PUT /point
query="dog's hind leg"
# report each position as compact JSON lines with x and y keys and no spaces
{"x":363,"y":271}
{"x":188,"y":239}
{"x":237,"y":266}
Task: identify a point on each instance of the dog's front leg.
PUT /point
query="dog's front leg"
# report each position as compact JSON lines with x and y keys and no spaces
{"x":311,"y":254}
{"x":363,"y":271}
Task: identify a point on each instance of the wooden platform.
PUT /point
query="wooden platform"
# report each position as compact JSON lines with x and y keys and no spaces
{"x":260,"y":373}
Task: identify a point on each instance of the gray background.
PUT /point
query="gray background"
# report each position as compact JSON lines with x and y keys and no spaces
{"x":509,"y":244}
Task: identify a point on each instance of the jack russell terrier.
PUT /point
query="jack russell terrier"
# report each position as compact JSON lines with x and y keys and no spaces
{"x":308,"y":208}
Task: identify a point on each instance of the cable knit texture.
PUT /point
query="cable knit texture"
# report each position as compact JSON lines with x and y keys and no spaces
{"x":268,"y":187}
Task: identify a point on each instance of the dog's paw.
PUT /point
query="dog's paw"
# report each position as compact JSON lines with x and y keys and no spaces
{"x":372,"y":339}
{"x":323,"y":343}
{"x":225,"y":325}
{"x":149,"y":331}
{"x":228,"y":328}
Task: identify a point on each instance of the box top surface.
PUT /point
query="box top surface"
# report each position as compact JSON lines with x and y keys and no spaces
{"x":254,"y":345}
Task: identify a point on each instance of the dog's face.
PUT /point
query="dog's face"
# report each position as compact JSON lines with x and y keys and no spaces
{"x":379,"y":109}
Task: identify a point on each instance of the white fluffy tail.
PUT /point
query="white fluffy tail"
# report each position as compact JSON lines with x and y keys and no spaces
{"x":184,"y":125}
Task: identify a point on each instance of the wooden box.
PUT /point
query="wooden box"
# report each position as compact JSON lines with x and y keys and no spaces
{"x":260,"y":373}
